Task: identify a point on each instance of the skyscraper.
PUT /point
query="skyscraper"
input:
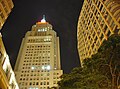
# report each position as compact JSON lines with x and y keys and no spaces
{"x":5,"y":9}
{"x":38,"y":63}
{"x":97,"y":21}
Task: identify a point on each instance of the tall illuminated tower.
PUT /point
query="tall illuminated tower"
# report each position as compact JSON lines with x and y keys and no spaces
{"x":5,"y":9}
{"x":38,"y":63}
{"x":97,"y":21}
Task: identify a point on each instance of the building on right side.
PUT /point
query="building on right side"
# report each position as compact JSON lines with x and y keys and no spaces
{"x":97,"y":21}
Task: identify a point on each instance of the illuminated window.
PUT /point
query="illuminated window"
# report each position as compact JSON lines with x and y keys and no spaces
{"x":32,"y":67}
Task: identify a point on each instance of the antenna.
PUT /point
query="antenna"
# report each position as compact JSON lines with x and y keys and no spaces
{"x":43,"y":16}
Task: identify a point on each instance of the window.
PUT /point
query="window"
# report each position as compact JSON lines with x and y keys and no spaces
{"x":2,"y":15}
{"x":0,"y":55}
{"x":37,"y":83}
{"x":108,"y":33}
{"x":3,"y":3}
{"x":101,"y":37}
{"x":30,"y":83}
{"x":41,"y":83}
{"x":101,"y":7}
{"x":47,"y":83}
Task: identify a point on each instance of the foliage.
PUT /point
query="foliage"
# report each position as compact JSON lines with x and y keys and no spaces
{"x":101,"y":71}
{"x":110,"y":52}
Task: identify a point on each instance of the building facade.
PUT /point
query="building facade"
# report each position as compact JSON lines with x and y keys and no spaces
{"x":5,"y":9}
{"x":97,"y":21}
{"x":38,"y":63}
{"x":4,"y":84}
{"x":7,"y":76}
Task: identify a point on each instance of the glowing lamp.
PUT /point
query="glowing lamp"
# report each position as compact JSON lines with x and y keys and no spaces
{"x":32,"y":67}
{"x":48,"y":67}
{"x":43,"y":20}
{"x":43,"y":67}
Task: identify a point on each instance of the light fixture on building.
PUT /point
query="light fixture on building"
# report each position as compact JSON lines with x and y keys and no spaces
{"x":43,"y":20}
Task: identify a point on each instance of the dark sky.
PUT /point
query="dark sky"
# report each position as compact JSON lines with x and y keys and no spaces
{"x":62,"y":14}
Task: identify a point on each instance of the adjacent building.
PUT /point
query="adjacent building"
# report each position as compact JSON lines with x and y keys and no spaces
{"x":7,"y":76}
{"x":38,"y":63}
{"x":5,"y":9}
{"x":97,"y":21}
{"x":4,"y":84}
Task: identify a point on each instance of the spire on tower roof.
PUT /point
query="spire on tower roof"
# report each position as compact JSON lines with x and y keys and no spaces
{"x":43,"y":20}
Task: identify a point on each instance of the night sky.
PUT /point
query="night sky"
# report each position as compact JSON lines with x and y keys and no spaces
{"x":62,"y":14}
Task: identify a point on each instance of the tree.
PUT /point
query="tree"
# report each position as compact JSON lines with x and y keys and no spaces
{"x":101,"y":71}
{"x":107,"y":60}
{"x":110,"y":51}
{"x":82,"y":78}
{"x":68,"y":80}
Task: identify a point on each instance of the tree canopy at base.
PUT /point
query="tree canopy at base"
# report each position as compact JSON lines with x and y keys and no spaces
{"x":101,"y":71}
